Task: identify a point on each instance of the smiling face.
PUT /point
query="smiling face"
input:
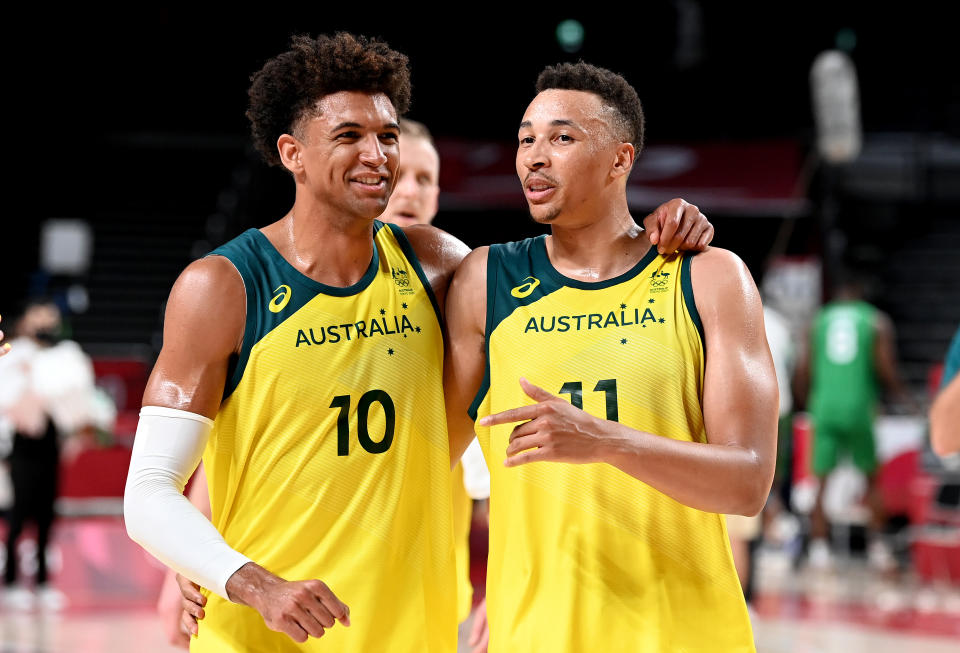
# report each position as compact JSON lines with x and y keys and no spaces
{"x":414,"y":199}
{"x":568,"y":156}
{"x":347,"y":154}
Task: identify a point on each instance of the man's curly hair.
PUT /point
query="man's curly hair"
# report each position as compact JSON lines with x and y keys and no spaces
{"x":612,"y":89}
{"x":289,"y":86}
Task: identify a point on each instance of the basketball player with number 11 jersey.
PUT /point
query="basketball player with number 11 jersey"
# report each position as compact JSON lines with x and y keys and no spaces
{"x":630,"y":350}
{"x":623,"y":394}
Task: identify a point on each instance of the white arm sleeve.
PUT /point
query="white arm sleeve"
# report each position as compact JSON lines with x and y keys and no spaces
{"x":476,"y":476}
{"x":168,"y":447}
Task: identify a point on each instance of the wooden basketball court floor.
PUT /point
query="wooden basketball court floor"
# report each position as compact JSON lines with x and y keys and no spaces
{"x":112,"y":585}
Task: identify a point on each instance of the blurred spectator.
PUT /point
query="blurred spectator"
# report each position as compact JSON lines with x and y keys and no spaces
{"x":945,"y":412}
{"x":415,"y":195}
{"x":47,"y":394}
{"x":851,"y":354}
{"x":784,"y":351}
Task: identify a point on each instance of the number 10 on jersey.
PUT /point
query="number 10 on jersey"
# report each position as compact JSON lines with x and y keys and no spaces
{"x":367,"y":400}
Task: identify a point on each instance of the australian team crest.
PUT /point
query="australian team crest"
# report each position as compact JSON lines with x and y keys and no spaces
{"x":659,"y":281}
{"x":402,"y":279}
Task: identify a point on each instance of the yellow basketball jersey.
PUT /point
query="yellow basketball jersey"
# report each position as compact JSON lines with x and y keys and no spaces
{"x":329,"y":457}
{"x":462,"y":518}
{"x":586,"y":557}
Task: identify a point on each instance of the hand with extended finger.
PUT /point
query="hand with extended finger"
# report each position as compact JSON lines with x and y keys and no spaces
{"x":301,"y":609}
{"x":551,"y":429}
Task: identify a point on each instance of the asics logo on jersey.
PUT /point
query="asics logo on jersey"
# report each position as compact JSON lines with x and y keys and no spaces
{"x":280,"y":300}
{"x":524,"y":290}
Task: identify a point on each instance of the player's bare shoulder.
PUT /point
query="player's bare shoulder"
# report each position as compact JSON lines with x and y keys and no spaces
{"x":473,"y":268}
{"x":718,"y":270}
{"x":721,"y":281}
{"x":208,"y":302}
{"x":439,"y":254}
{"x":203,"y":327}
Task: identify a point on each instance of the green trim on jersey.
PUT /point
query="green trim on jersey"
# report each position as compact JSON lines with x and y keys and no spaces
{"x":267,"y":277}
{"x":686,"y":285}
{"x":542,"y":262}
{"x":407,"y":250}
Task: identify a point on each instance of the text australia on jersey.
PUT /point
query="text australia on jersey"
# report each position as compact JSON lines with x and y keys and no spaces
{"x":375,"y":326}
{"x":561,"y":323}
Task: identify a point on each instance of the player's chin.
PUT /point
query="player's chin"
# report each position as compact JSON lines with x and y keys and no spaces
{"x":544,"y":214}
{"x":369,"y":208}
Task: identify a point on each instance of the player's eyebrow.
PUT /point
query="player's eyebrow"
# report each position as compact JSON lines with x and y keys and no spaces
{"x":355,"y":125}
{"x":526,"y":124}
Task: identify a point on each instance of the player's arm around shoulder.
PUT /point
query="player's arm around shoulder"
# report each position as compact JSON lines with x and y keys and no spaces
{"x":740,"y":394}
{"x":439,"y":254}
{"x":466,"y":356}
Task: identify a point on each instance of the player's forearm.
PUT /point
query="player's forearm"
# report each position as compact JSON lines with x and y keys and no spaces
{"x":945,"y":420}
{"x":460,"y":434}
{"x":167,"y":449}
{"x":710,"y":477}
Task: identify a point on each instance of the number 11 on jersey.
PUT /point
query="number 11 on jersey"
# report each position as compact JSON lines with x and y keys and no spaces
{"x":607,"y":386}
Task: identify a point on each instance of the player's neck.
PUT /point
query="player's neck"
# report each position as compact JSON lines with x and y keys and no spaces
{"x":597,"y":250}
{"x":331,"y":249}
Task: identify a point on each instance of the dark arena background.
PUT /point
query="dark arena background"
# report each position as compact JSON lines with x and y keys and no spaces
{"x":129,"y":157}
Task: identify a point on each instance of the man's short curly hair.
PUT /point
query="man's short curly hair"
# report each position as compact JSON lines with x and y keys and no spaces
{"x":612,"y":89}
{"x":290,"y":85}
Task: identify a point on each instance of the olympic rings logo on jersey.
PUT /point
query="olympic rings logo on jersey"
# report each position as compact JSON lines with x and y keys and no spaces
{"x":400,"y":277}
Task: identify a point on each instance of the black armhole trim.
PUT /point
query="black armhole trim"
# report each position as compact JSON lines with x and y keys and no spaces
{"x":251,"y":328}
{"x":407,"y":250}
{"x":493,"y":273}
{"x":686,"y":283}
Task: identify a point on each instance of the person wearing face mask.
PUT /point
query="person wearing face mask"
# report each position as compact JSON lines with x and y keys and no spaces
{"x":46,"y":390}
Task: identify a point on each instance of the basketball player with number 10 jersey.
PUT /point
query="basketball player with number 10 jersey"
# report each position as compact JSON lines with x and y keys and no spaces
{"x":376,"y":351}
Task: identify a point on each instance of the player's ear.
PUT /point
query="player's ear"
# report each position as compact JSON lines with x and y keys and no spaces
{"x":624,"y":161}
{"x":290,"y":150}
